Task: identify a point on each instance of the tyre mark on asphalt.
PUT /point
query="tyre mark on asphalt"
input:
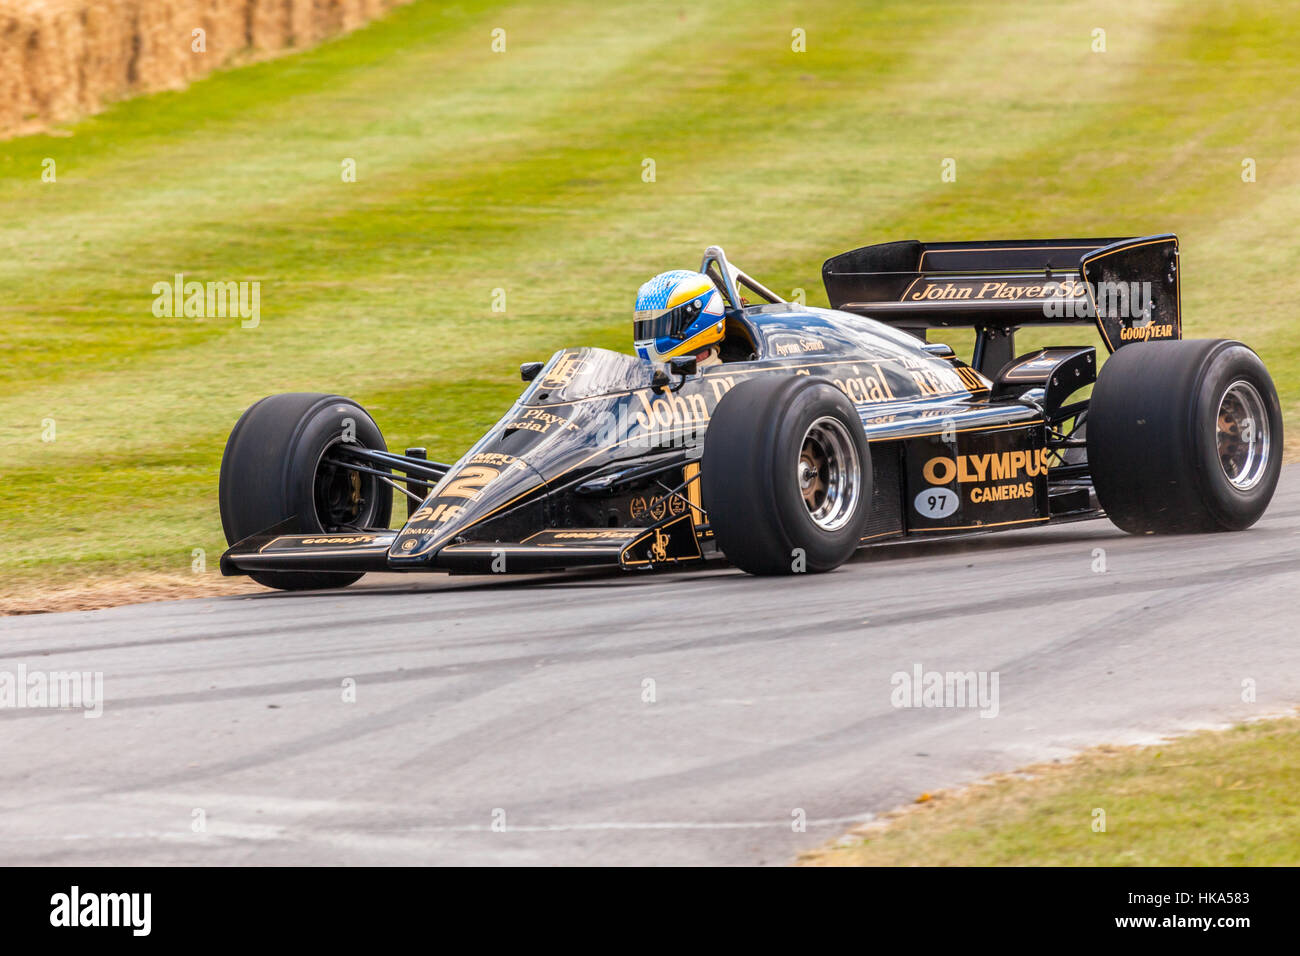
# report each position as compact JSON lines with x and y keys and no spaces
{"x":353,"y":729}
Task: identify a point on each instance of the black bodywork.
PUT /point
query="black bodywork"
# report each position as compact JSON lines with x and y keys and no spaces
{"x":598,"y":461}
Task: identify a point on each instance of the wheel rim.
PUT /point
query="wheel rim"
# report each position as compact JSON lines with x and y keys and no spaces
{"x":829,"y":473}
{"x":345,"y":499}
{"x":1242,"y":435}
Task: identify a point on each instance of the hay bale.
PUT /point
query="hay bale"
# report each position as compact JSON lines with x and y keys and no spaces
{"x":12,"y":77}
{"x":162,"y":32}
{"x":270,"y":24}
{"x":329,"y":18}
{"x":108,"y":32}
{"x":352,"y":15}
{"x":64,"y":58}
{"x":50,"y":43}
{"x":304,"y":22}
{"x":226,"y":32}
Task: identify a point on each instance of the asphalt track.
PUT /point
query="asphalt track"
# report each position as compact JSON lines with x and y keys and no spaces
{"x":226,"y":738}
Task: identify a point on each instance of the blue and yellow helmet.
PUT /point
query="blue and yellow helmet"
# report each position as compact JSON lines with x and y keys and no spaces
{"x":677,"y":313}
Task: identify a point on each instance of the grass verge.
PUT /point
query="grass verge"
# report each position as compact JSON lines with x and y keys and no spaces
{"x":1214,"y":798}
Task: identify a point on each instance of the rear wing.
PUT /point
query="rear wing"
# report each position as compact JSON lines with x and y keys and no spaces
{"x":1128,"y":288}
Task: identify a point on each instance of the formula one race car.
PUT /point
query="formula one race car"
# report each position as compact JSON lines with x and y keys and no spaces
{"x":818,"y":431}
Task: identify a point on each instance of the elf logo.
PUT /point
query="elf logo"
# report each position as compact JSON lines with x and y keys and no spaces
{"x":996,"y":466}
{"x":103,"y":909}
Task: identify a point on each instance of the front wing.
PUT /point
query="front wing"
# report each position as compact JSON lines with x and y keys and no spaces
{"x":669,"y":543}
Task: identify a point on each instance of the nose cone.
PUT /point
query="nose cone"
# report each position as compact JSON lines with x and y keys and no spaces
{"x":481,"y":484}
{"x":533,"y":450}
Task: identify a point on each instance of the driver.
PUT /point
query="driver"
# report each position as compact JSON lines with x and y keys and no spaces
{"x":679,"y":313}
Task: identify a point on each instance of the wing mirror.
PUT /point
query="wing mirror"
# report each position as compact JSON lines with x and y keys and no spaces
{"x":529,"y":370}
{"x":680,"y":365}
{"x":683,"y":365}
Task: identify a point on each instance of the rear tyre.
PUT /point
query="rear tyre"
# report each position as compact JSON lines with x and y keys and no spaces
{"x":786,"y":476}
{"x":1184,"y":437}
{"x":273,"y":470}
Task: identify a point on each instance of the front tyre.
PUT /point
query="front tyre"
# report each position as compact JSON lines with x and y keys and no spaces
{"x":1184,"y":437}
{"x":276,"y":468}
{"x":786,"y":475}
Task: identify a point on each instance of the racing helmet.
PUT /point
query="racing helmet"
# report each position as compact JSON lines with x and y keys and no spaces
{"x":677,"y":313}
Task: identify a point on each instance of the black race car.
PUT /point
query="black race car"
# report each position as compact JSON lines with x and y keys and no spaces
{"x":822,"y":431}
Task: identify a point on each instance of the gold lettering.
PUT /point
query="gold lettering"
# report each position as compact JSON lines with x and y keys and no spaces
{"x":645,"y":417}
{"x":939,"y":471}
{"x":884,"y":381}
{"x":720,"y":385}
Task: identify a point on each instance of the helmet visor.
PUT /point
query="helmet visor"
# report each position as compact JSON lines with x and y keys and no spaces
{"x":671,"y":323}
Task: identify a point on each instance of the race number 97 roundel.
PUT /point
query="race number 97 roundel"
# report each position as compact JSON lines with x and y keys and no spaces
{"x":935,"y":502}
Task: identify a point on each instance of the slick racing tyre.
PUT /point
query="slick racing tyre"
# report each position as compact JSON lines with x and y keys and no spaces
{"x":273,"y":469}
{"x":786,"y":475}
{"x":1184,"y":436}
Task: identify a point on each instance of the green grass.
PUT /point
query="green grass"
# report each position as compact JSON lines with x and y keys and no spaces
{"x":522,"y":171}
{"x":1229,"y":798}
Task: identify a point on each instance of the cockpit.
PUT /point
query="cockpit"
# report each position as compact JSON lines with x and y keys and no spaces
{"x":741,"y":340}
